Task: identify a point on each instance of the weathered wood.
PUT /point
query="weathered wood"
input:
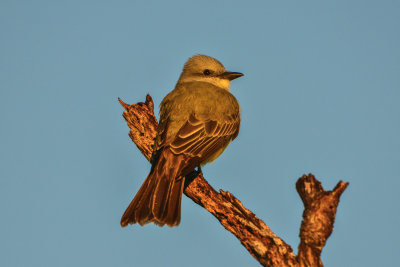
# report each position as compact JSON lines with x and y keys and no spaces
{"x":267,"y":248}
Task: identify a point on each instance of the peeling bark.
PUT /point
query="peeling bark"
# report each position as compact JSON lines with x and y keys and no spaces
{"x":268,"y":249}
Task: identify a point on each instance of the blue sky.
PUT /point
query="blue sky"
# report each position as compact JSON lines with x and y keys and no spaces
{"x":320,"y":94}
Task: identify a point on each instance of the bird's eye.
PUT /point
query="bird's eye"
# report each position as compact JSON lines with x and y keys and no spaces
{"x":206,"y":72}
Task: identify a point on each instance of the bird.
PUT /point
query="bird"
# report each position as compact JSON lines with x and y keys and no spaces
{"x":198,"y":120}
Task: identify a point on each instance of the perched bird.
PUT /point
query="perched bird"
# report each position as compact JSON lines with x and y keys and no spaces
{"x":198,"y":119}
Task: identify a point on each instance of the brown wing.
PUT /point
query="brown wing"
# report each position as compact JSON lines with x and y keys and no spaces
{"x":205,"y":140}
{"x":159,"y":198}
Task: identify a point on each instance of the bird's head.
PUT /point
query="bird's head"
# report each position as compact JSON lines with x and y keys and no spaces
{"x":203,"y":68}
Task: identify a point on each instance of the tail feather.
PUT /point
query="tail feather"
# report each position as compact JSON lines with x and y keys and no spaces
{"x":173,"y":214}
{"x":159,"y":198}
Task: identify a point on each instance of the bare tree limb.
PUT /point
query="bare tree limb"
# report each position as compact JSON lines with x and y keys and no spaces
{"x":267,"y":248}
{"x":318,"y":217}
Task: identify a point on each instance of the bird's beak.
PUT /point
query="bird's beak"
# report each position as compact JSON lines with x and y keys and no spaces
{"x":230,"y":75}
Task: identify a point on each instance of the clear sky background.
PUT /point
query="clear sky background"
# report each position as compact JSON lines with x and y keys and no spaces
{"x":321,"y":94}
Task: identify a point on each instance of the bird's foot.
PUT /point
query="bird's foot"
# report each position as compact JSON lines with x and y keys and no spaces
{"x":199,"y":169}
{"x":190,"y":177}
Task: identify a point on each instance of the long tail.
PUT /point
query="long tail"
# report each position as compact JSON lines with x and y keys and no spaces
{"x":159,"y":198}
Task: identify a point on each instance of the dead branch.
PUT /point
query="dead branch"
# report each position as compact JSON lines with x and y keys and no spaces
{"x":267,"y":248}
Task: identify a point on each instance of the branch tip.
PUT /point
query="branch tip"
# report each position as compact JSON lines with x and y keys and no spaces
{"x":123,"y":104}
{"x":340,"y":187}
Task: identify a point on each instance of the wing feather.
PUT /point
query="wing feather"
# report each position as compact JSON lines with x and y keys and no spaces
{"x":202,"y":139}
